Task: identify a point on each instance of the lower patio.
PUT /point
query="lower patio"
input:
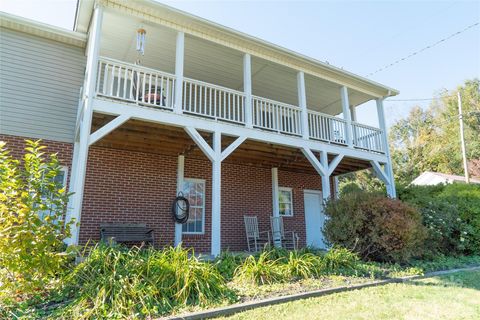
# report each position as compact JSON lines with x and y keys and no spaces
{"x":132,"y":177}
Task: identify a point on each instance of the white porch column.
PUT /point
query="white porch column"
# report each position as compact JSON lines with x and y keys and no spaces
{"x":74,"y":209}
{"x":180,"y":178}
{"x":302,"y":103}
{"x":353,"y":113}
{"x":216,"y":193}
{"x":247,"y":88}
{"x":388,"y":166}
{"x":346,"y":115}
{"x":179,"y":58}
{"x":275,"y":203}
{"x":325,"y":177}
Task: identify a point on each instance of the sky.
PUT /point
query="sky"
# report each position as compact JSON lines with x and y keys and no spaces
{"x":359,"y":36}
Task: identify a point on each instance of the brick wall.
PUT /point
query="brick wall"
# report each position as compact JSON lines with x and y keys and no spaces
{"x":136,"y":187}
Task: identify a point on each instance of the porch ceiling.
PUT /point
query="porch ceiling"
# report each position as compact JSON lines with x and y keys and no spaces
{"x":147,"y":137}
{"x":216,"y":64}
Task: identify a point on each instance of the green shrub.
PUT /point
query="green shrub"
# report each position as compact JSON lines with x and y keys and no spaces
{"x":260,"y":270}
{"x":32,"y":230}
{"x":375,"y":227}
{"x":226,"y":264}
{"x":302,"y":265}
{"x":115,"y":282}
{"x":451,"y":214}
{"x":338,"y":260}
{"x":467,"y":199}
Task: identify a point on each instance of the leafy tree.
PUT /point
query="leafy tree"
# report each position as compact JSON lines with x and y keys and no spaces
{"x":32,"y":230}
{"x":428,"y":140}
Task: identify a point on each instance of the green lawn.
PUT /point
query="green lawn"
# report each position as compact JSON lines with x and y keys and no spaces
{"x":455,"y":296}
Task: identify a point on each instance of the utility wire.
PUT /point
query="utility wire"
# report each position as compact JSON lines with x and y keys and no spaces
{"x":421,"y":99}
{"x":423,"y":49}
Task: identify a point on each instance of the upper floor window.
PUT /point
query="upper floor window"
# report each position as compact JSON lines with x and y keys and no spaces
{"x":285,"y":201}
{"x":194,"y":191}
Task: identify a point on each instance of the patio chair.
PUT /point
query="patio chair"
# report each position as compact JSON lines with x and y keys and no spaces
{"x":287,"y":239}
{"x":256,"y":240}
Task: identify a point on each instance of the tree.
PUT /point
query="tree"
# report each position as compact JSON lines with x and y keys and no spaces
{"x":32,"y":230}
{"x":428,"y":140}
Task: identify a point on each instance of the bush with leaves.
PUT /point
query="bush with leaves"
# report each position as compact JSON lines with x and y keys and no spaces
{"x":375,"y":227}
{"x":451,"y":214}
{"x":32,"y":230}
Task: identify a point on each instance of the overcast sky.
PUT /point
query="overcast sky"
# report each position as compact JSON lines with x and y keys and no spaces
{"x":359,"y":36}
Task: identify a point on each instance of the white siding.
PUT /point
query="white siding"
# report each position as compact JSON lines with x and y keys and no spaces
{"x":40,"y":81}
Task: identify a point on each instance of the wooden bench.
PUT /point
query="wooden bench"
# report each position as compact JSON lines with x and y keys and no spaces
{"x":126,"y":233}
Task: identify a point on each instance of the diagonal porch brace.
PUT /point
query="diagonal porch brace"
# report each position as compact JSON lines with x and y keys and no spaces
{"x":106,"y":129}
{"x":201,"y":143}
{"x":319,"y":167}
{"x":334,"y":163}
{"x":234,"y":145}
{"x":380,"y":172}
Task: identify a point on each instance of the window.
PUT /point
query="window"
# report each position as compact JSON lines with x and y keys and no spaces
{"x":285,"y":201}
{"x":60,"y":179}
{"x":194,"y":191}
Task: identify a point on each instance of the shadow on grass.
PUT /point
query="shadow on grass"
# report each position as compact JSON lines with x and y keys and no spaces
{"x":464,"y":279}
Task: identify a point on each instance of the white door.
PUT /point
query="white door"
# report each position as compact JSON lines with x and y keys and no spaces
{"x":314,"y":218}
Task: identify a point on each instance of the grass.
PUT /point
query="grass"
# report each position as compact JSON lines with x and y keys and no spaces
{"x":454,"y":296}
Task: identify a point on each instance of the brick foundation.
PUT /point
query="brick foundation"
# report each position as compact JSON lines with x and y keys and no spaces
{"x":136,"y":187}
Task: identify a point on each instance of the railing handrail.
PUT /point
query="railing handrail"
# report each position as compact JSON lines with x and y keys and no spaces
{"x":214,"y":86}
{"x":316,"y":113}
{"x":366,"y":126}
{"x":278,"y":103}
{"x":135,"y":66}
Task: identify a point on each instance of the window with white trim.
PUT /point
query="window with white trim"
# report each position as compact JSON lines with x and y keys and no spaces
{"x":61,"y":180}
{"x":285,"y":201}
{"x":194,"y":191}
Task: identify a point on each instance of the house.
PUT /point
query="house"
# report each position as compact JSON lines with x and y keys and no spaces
{"x":143,"y":102}
{"x":429,"y":178}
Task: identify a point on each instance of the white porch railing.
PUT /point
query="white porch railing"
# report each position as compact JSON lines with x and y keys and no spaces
{"x":327,"y":128}
{"x":368,"y":138}
{"x":213,"y":101}
{"x":136,"y":84}
{"x":276,"y":116}
{"x":153,"y":88}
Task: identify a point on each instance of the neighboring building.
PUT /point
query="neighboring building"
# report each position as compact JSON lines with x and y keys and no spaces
{"x":239,"y":125}
{"x":429,"y":178}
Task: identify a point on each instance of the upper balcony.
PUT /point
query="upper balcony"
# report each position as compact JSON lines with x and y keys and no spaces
{"x":221,"y":83}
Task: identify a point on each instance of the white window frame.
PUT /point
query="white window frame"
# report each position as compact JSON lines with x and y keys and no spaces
{"x":290,"y":190}
{"x":204,"y":204}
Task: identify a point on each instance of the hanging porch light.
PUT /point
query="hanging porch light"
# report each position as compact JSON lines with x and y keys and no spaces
{"x":141,"y":40}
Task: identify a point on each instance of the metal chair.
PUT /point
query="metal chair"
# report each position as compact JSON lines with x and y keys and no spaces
{"x":256,"y":239}
{"x":286,"y":239}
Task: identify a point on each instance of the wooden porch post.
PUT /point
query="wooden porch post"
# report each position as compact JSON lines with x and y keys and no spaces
{"x":388,"y":165}
{"x":247,"y":88}
{"x":77,"y":184}
{"x":179,"y":59}
{"x":346,"y":115}
{"x":302,"y":103}
{"x":275,"y":204}
{"x":216,"y":193}
{"x":325,"y":177}
{"x":180,"y":178}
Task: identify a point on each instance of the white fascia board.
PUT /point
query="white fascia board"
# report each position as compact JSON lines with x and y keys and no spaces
{"x":203,"y":124}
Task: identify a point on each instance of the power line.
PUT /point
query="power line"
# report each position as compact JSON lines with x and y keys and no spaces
{"x":421,"y":99}
{"x":423,"y":49}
